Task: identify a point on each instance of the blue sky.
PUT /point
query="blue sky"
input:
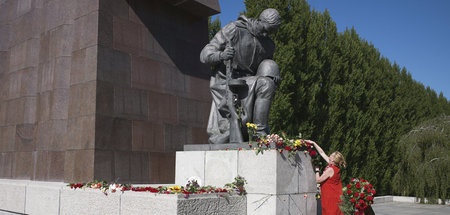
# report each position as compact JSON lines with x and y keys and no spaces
{"x":413,"y":33}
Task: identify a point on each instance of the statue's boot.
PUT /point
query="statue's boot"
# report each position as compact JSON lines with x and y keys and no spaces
{"x":261,"y":116}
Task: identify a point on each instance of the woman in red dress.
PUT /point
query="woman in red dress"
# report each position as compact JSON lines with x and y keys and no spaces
{"x":330,"y":180}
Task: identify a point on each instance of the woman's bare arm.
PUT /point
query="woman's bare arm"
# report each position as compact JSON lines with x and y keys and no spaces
{"x":320,"y":150}
{"x":327,"y":174}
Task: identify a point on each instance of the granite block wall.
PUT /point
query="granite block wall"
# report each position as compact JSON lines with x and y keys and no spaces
{"x":101,"y":89}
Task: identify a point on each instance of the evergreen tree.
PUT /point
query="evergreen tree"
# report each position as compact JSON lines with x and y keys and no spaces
{"x":424,"y":167}
{"x":338,"y":90}
{"x":214,"y":26}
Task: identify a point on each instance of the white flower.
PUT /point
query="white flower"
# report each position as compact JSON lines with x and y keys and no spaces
{"x":195,"y":178}
{"x":114,"y":187}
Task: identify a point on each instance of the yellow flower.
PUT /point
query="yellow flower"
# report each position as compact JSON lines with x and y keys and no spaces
{"x":251,"y":125}
{"x":298,"y":143}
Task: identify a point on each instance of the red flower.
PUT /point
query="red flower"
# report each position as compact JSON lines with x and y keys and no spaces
{"x":313,"y":153}
{"x":286,"y":148}
{"x":352,"y":200}
{"x":358,"y":185}
{"x":349,"y":186}
{"x":356,"y":195}
{"x":366,"y":187}
{"x":369,"y":190}
{"x":370,"y":185}
{"x":357,"y":206}
{"x":356,"y":212}
{"x":373,"y":192}
{"x":352,"y":180}
{"x":361,"y":202}
{"x":362,"y":195}
{"x":369,"y":198}
{"x":349,"y":192}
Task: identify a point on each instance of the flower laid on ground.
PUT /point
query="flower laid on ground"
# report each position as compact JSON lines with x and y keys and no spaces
{"x":238,"y":185}
{"x":357,"y":197}
{"x":192,"y":187}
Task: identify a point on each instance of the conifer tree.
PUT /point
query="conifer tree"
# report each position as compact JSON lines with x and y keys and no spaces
{"x":339,"y":90}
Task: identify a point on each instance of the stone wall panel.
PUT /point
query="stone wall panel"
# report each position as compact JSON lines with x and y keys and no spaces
{"x":163,"y":107}
{"x":82,"y":99}
{"x":175,"y":137}
{"x":79,"y":166}
{"x":85,"y":31}
{"x":23,"y":165}
{"x":84,"y":65}
{"x":62,"y":72}
{"x":146,"y":74}
{"x":112,"y":133}
{"x":49,"y":166}
{"x":25,"y":140}
{"x":60,"y":104}
{"x":126,"y":36}
{"x":6,"y":162}
{"x":139,"y":167}
{"x":7,"y":138}
{"x":130,"y":103}
{"x":162,"y":167}
{"x":61,"y":39}
{"x":147,"y":136}
{"x":114,"y":66}
{"x":80,"y":133}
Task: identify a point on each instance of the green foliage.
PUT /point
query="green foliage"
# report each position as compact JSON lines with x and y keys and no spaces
{"x":424,"y":162}
{"x":340,"y":91}
{"x":214,"y":26}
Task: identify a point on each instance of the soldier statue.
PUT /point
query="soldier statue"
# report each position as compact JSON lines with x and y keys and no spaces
{"x":244,"y":79}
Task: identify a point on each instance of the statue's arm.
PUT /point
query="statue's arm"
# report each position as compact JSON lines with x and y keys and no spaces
{"x":211,"y":52}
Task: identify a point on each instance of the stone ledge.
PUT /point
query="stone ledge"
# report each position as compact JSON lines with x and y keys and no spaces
{"x":404,"y":199}
{"x":30,"y":197}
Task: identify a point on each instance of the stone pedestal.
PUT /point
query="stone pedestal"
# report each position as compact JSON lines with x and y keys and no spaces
{"x":276,"y":184}
{"x":32,"y":197}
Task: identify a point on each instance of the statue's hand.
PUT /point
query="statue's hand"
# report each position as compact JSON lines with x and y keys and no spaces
{"x":227,"y":54}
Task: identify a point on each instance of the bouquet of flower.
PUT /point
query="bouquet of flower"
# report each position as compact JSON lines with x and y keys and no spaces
{"x":357,"y":197}
{"x":282,"y":143}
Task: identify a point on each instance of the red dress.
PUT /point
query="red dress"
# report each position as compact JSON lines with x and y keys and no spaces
{"x":331,"y":192}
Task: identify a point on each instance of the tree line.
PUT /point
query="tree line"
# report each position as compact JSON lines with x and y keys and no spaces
{"x":340,"y":91}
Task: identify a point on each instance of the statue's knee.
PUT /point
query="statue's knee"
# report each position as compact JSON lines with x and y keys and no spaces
{"x":265,"y":87}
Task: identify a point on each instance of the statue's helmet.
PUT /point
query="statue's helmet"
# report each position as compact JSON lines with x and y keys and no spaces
{"x":271,"y":16}
{"x":269,"y":68}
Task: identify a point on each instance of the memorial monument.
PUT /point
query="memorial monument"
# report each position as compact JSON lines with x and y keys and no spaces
{"x":113,"y":89}
{"x":244,"y":80}
{"x":101,"y":89}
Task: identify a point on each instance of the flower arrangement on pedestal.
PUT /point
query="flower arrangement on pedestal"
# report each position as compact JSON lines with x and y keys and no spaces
{"x":282,"y":143}
{"x":357,"y":197}
{"x":193,"y":186}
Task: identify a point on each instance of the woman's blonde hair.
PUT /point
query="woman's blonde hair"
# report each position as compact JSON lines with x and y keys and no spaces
{"x":339,"y":159}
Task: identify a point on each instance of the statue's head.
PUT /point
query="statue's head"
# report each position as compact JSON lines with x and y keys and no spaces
{"x":268,"y":22}
{"x":269,"y":68}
